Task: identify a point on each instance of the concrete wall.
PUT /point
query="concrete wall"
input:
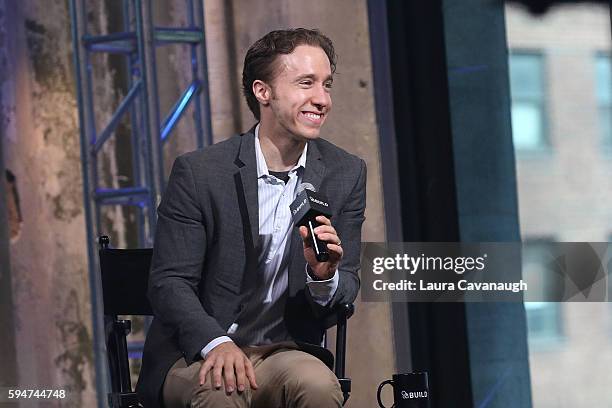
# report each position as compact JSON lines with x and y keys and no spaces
{"x":8,"y":359}
{"x":41,"y":148}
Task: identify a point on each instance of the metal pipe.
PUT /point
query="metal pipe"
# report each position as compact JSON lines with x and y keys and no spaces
{"x":197,"y":112}
{"x":137,"y":178}
{"x":178,"y":110}
{"x":117,"y":115}
{"x":102,"y":377}
{"x":97,"y":39}
{"x":102,"y":193}
{"x":151,"y":68}
{"x":115,"y":47}
{"x":177,"y":35}
{"x":204,"y":135}
{"x":340,"y":342}
{"x":151,"y":157}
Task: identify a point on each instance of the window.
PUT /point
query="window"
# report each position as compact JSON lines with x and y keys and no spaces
{"x":603,"y":82}
{"x":544,"y":322}
{"x":527,"y":90}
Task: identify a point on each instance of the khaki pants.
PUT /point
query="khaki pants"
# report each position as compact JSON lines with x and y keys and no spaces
{"x":286,"y":377}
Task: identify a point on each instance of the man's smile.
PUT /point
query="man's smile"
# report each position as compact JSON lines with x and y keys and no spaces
{"x":314,"y":117}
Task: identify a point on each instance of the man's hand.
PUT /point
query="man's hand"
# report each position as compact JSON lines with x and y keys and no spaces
{"x":327,"y":233}
{"x":228,"y":361}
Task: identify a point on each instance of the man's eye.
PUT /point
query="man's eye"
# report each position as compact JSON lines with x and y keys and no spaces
{"x":306,"y":83}
{"x":329,"y":85}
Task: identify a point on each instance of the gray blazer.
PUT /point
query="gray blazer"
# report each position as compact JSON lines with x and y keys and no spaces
{"x":206,"y":244}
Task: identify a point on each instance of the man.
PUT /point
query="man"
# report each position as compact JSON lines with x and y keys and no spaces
{"x":237,"y":292}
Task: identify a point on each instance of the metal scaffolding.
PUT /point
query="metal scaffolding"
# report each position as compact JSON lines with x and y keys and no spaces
{"x":137,"y":42}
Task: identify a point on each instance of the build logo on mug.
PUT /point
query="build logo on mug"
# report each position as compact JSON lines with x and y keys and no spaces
{"x":410,"y":390}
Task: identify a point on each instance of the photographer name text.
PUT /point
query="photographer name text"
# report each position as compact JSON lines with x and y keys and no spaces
{"x":462,"y":285}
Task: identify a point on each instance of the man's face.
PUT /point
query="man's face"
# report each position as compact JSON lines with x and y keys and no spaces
{"x":300,"y":97}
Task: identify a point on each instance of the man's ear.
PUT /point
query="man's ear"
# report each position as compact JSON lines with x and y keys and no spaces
{"x":262,"y":92}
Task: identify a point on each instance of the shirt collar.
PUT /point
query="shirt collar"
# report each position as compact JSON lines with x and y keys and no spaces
{"x":262,"y":167}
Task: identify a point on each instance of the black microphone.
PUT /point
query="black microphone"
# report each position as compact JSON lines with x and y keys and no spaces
{"x":309,"y":204}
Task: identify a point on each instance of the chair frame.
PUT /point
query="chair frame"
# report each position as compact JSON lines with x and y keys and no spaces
{"x":116,"y":330}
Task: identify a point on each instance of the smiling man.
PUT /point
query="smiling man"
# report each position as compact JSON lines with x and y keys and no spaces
{"x":240,"y":301}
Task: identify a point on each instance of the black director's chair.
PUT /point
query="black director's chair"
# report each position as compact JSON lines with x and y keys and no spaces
{"x":125,"y":275}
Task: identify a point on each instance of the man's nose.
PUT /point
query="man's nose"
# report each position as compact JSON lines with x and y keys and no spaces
{"x":321,"y":97}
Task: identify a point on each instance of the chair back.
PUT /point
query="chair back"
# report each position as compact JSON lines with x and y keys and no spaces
{"x":125,"y":276}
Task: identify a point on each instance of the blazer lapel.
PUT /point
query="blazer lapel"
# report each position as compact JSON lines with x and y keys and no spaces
{"x":314,"y":173}
{"x":315,"y":168}
{"x":246,"y":180}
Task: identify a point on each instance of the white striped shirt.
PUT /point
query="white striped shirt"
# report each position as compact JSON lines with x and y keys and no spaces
{"x":261,"y":321}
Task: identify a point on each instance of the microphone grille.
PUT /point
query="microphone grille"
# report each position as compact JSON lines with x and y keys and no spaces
{"x":305,"y":186}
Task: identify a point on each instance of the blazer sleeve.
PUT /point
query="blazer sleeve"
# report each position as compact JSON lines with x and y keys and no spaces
{"x":348,"y":225}
{"x":177,"y":264}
